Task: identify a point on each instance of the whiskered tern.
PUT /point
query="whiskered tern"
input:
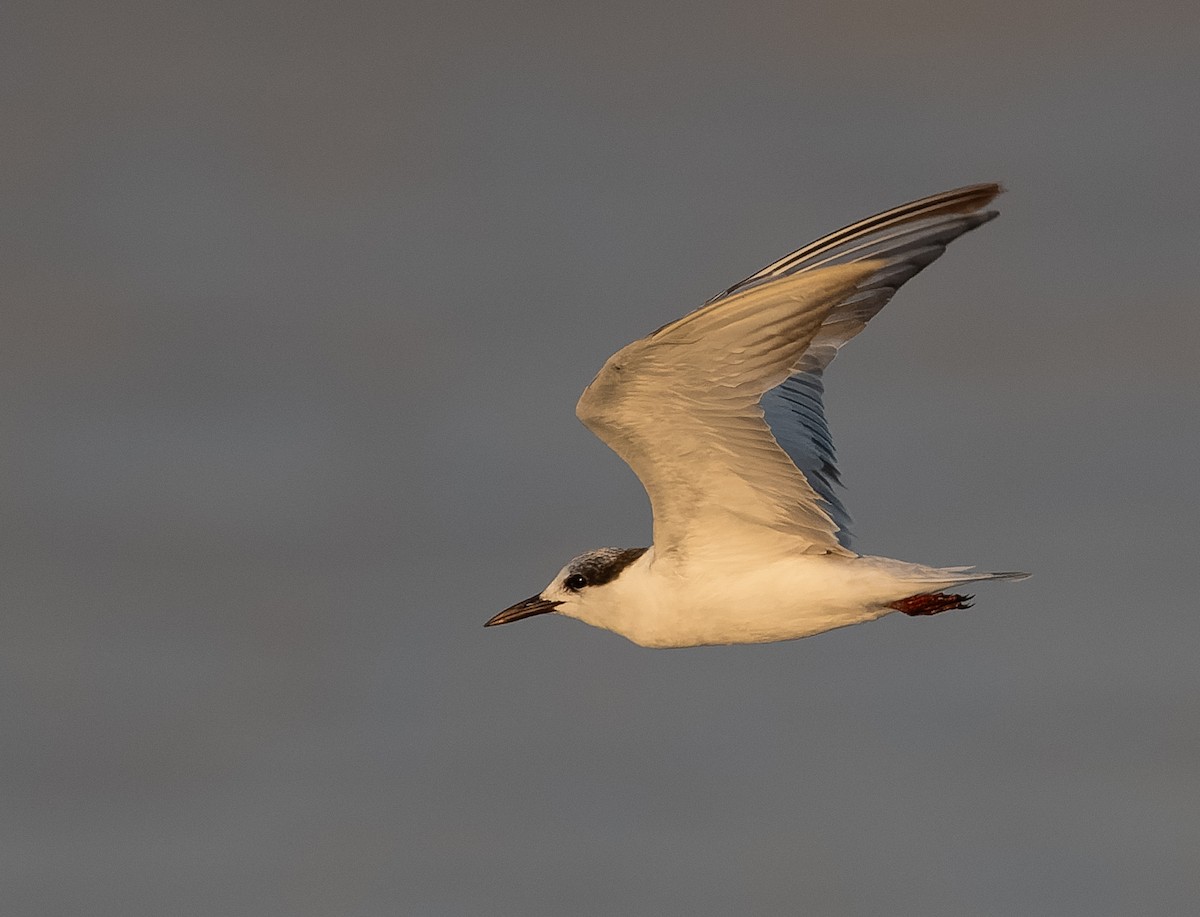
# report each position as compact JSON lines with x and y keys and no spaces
{"x":720,"y":415}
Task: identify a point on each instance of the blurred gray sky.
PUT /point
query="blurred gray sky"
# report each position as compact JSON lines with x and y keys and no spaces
{"x":298,"y":299}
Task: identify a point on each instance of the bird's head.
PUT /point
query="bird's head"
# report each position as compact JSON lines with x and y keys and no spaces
{"x":581,"y":589}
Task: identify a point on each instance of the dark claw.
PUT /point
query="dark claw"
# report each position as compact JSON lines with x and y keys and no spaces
{"x":932,"y":603}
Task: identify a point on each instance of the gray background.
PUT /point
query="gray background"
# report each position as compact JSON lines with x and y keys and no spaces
{"x":297,"y":301}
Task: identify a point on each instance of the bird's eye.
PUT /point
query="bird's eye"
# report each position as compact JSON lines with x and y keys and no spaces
{"x":575,"y":582}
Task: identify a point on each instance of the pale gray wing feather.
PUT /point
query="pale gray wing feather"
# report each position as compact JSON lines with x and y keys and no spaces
{"x":796,"y":416}
{"x":795,"y":409}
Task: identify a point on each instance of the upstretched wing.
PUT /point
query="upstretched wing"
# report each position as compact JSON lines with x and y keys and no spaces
{"x":685,"y":407}
{"x":909,"y":238}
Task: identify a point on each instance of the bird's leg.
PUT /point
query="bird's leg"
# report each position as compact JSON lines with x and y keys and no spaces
{"x":931,"y":603}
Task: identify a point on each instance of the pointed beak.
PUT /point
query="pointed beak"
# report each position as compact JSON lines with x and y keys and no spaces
{"x":535,"y":605}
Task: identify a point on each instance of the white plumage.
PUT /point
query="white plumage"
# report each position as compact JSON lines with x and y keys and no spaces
{"x":720,"y":415}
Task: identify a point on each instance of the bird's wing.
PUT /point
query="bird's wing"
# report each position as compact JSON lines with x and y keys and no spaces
{"x":914,"y":235}
{"x":685,"y":407}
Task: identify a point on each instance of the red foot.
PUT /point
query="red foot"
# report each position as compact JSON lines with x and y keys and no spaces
{"x":931,"y":603}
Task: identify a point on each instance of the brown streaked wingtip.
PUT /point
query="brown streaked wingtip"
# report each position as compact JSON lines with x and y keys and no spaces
{"x":968,"y":199}
{"x":957,"y":200}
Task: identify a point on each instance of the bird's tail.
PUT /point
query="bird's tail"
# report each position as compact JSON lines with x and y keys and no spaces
{"x":920,"y":575}
{"x":960,"y":575}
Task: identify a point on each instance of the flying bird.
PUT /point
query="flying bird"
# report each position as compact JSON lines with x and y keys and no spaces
{"x":720,"y":415}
